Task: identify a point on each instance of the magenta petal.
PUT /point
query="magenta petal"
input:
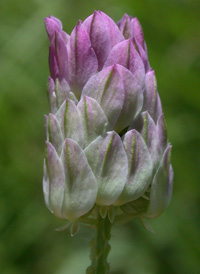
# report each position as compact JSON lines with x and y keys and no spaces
{"x":106,"y":87}
{"x":125,"y":54}
{"x":65,"y":36}
{"x":137,"y":31}
{"x":104,"y":34}
{"x":52,"y":25}
{"x":131,"y":28}
{"x":58,"y":58}
{"x":53,"y":64}
{"x":82,"y":59}
{"x":125,"y":26}
{"x":62,"y":56}
{"x":143,"y":54}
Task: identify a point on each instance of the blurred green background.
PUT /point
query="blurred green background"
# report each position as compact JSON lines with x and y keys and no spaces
{"x":28,"y":242}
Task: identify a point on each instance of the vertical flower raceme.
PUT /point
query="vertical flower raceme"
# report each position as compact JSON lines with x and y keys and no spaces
{"x":106,"y":142}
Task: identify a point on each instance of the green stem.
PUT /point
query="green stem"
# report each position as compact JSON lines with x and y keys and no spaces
{"x":99,"y":246}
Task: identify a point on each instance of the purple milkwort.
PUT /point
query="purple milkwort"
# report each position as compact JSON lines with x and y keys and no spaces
{"x":107,"y":142}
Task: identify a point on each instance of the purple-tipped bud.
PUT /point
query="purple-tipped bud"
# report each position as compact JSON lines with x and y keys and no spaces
{"x":137,"y":31}
{"x":107,"y":142}
{"x":52,"y":25}
{"x":82,"y":59}
{"x":125,"y":54}
{"x":58,"y":58}
{"x":125,"y":26}
{"x":131,"y":28}
{"x":104,"y":35}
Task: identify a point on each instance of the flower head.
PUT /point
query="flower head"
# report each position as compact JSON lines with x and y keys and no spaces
{"x":106,"y":135}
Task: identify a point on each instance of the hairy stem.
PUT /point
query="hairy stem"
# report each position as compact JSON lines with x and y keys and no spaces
{"x":99,"y":246}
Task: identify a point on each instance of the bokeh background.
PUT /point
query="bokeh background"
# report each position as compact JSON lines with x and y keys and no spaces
{"x":28,"y":242}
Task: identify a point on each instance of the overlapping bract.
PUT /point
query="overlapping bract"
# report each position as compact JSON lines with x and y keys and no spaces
{"x":106,"y":135}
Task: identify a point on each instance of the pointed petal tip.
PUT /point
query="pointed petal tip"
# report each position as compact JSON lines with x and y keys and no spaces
{"x":48,"y":145}
{"x":50,"y":79}
{"x":52,"y":24}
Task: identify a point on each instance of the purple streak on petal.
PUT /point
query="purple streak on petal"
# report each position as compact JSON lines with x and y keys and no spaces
{"x":82,"y":59}
{"x":104,"y":34}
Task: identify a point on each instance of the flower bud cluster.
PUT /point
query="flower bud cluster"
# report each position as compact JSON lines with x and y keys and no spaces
{"x":107,"y":142}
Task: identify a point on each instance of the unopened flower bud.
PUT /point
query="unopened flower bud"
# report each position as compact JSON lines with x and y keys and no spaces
{"x":107,"y":142}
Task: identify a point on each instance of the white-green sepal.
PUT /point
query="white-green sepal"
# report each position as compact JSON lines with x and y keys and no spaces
{"x":54,"y":133}
{"x":70,"y":122}
{"x":94,"y":120}
{"x":108,"y":161}
{"x":80,"y":183}
{"x":140,"y":168}
{"x":106,"y":87}
{"x":45,"y":186}
{"x":161,"y":187}
{"x":56,"y":179}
